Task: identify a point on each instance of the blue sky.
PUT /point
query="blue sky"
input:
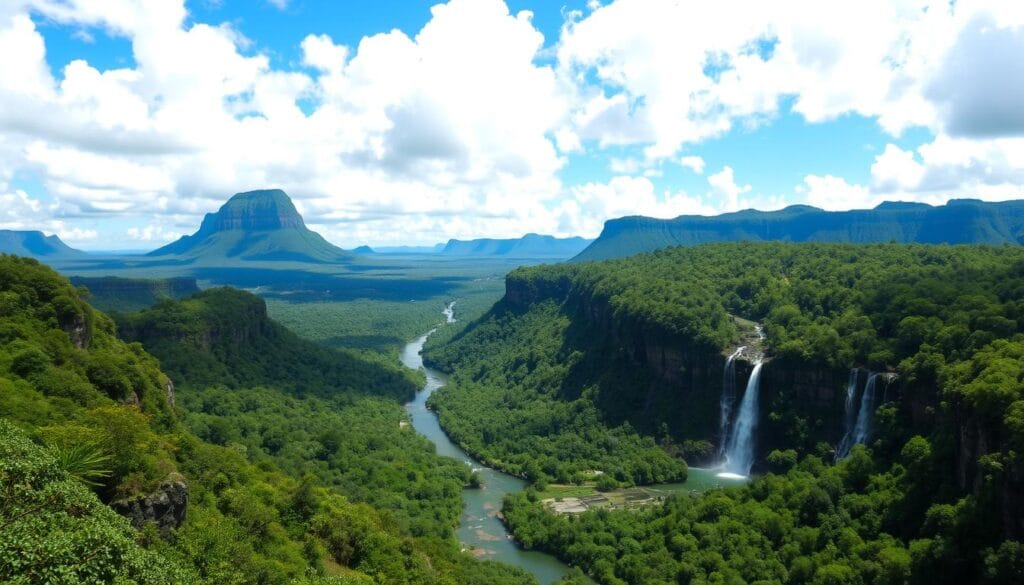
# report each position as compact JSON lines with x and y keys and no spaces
{"x":409,"y":122}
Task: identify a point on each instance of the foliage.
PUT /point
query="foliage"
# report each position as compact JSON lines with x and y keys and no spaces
{"x":815,"y":524}
{"x":223,"y":336}
{"x":101,"y":405}
{"x":506,"y":408}
{"x":938,"y":507}
{"x":53,"y":529}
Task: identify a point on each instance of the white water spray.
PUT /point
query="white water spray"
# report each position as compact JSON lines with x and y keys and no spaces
{"x":866,"y":415}
{"x":728,"y":400}
{"x":850,"y":414}
{"x":739,"y":450}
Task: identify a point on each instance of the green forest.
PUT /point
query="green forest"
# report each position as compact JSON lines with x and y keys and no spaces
{"x":935,"y":496}
{"x":300,"y":465}
{"x":343,"y":496}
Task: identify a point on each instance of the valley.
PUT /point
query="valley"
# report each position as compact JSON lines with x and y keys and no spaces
{"x":738,"y":410}
{"x":511,"y":292}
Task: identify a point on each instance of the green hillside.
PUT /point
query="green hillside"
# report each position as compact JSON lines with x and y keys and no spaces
{"x":91,"y":424}
{"x":960,"y":221}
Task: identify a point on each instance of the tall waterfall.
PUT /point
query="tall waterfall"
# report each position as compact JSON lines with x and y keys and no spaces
{"x":739,"y":450}
{"x":728,"y":400}
{"x":866,"y":415}
{"x":850,"y":414}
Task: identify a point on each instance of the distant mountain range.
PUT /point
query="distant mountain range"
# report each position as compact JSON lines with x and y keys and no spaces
{"x":960,"y":221}
{"x":256,"y":225}
{"x":528,"y":246}
{"x":35,"y":244}
{"x":435,"y":249}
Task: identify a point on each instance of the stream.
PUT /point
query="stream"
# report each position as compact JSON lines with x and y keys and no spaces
{"x":480,"y":530}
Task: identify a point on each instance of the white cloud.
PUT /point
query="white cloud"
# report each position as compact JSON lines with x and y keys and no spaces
{"x":594,"y":203}
{"x":726,"y":191}
{"x":18,"y":211}
{"x":465,"y":126}
{"x":694,"y":163}
{"x":834,"y":193}
{"x":675,"y":73}
{"x":152,"y":233}
{"x":895,"y":170}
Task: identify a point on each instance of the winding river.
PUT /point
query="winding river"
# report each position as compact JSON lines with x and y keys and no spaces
{"x":480,"y":530}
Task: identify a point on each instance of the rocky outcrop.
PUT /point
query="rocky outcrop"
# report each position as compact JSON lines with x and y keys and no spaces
{"x":169,"y":392}
{"x":78,"y":328}
{"x":166,"y":506}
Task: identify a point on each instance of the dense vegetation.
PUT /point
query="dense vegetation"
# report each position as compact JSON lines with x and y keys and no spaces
{"x":507,"y":409}
{"x":89,"y":420}
{"x":223,"y":337}
{"x":936,"y":498}
{"x":846,"y":524}
{"x":379,"y":326}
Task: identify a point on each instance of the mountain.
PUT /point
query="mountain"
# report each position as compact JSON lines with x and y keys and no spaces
{"x":253,"y":226}
{"x":960,"y":221}
{"x":528,"y":246}
{"x":35,"y":244}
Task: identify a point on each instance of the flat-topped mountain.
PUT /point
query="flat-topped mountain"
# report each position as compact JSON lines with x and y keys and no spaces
{"x":35,"y":244}
{"x":528,"y":246}
{"x":253,"y":226}
{"x":960,"y":221}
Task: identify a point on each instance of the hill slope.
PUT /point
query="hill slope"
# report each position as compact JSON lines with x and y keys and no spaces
{"x":36,"y":245}
{"x":223,"y":336}
{"x":255,"y":225}
{"x":88,"y":423}
{"x":528,"y":246}
{"x":963,"y":221}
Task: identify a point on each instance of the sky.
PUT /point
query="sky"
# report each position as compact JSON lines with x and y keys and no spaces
{"x":122,"y":122}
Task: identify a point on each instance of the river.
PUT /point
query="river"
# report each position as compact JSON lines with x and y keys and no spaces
{"x":480,"y":530}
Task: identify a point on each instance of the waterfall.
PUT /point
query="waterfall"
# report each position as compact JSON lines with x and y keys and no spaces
{"x":728,"y":400}
{"x":850,"y":415}
{"x":739,"y":449}
{"x":867,"y":411}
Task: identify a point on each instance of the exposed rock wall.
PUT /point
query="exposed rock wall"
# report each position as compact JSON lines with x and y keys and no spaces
{"x":166,"y":506}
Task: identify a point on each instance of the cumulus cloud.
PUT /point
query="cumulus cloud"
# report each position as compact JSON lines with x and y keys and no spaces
{"x":834,"y":193}
{"x":465,"y":126}
{"x":980,"y":87}
{"x":694,"y":163}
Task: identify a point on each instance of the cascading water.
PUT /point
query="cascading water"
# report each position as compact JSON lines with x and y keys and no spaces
{"x":739,"y":450}
{"x":866,"y":414}
{"x":850,"y":414}
{"x":728,"y":399}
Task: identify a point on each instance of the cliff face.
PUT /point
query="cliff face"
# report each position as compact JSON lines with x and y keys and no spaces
{"x":651,"y":378}
{"x":268,"y":209}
